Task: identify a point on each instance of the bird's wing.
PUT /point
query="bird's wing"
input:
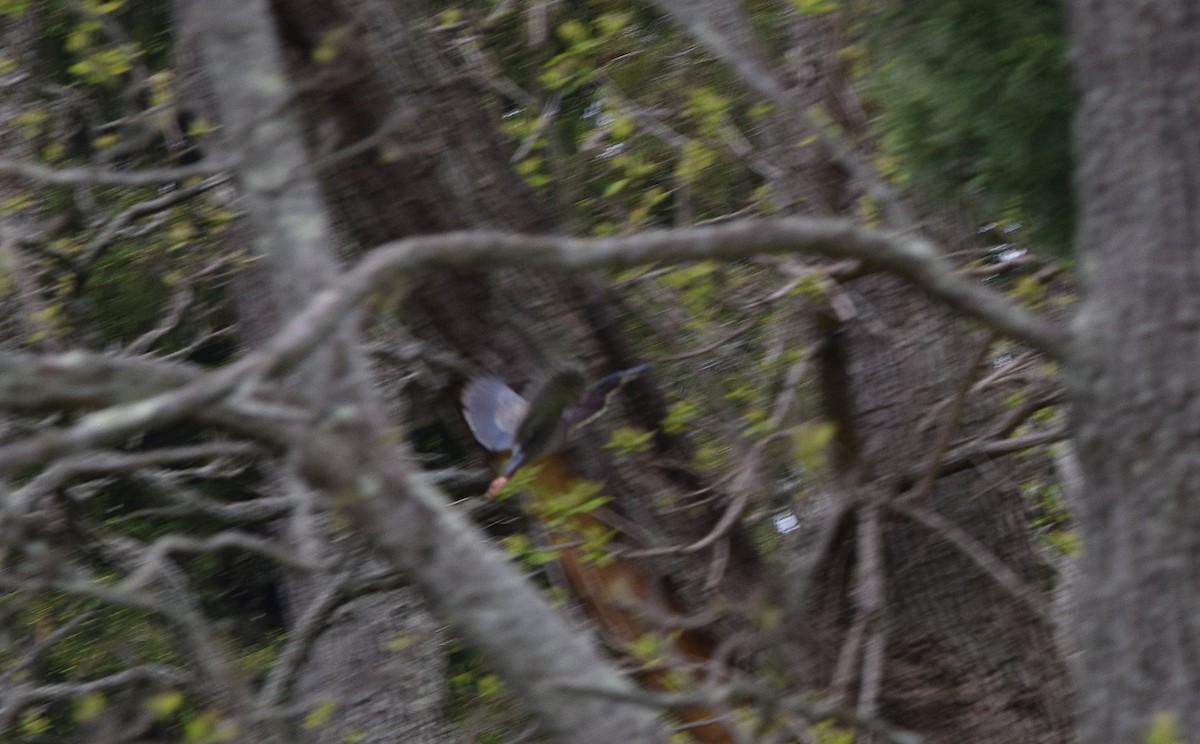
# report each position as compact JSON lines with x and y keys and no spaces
{"x":592,"y":403}
{"x":493,"y":411}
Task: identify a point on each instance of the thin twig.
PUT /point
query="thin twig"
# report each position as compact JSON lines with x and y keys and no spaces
{"x":950,"y":424}
{"x":962,"y":457}
{"x":112,"y":230}
{"x":21,"y":696}
{"x":156,"y":555}
{"x":873,"y":604}
{"x":978,"y":553}
{"x":42,"y":645}
{"x":741,"y":694}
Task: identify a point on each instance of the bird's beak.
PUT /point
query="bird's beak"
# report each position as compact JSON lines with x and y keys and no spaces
{"x":497,"y":486}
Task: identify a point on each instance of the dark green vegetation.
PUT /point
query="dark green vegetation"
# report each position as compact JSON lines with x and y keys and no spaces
{"x":975,"y":102}
{"x":618,"y":121}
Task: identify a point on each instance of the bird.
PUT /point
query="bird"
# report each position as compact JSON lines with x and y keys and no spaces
{"x":503,"y":421}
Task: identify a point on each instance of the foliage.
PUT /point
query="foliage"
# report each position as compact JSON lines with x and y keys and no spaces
{"x":111,"y":271}
{"x":1164,"y":729}
{"x":619,"y":121}
{"x":974,"y":99}
{"x":635,"y":126}
{"x":1051,"y":517}
{"x":480,"y":707}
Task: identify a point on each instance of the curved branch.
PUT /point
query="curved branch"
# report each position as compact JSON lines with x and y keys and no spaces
{"x":985,"y":560}
{"x":908,"y":256}
{"x":91,"y":176}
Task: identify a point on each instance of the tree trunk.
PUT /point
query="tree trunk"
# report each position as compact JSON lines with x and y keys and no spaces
{"x":451,"y":172}
{"x":287,"y":223}
{"x":956,"y":656}
{"x":1135,"y":383}
{"x":895,"y":617}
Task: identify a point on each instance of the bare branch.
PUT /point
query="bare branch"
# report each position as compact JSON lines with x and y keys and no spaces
{"x":79,"y":380}
{"x":740,"y":694}
{"x":41,"y":646}
{"x":154,"y":559}
{"x":111,"y":232}
{"x":83,"y":380}
{"x":110,"y":424}
{"x":181,"y":299}
{"x":290,"y":346}
{"x":93,"y":463}
{"x":950,"y":424}
{"x":300,"y":641}
{"x":342,"y":589}
{"x":906,"y":255}
{"x":87,"y":176}
{"x":978,"y":553}
{"x":190,"y":502}
{"x":20,"y":696}
{"x":872,"y":604}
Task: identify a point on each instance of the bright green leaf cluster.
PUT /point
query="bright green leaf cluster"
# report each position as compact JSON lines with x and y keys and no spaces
{"x":630,"y":439}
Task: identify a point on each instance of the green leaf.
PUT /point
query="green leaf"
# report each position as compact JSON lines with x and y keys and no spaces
{"x":630,"y":439}
{"x":814,"y":7}
{"x":34,"y":723}
{"x":611,"y":23}
{"x":329,"y":46}
{"x":810,"y":444}
{"x":13,"y":7}
{"x":401,"y":642}
{"x":572,"y":32}
{"x":489,"y":686}
{"x":1164,"y":729}
{"x":623,"y":127}
{"x":679,"y":415}
{"x":90,"y":706}
{"x":615,"y":187}
{"x":320,"y":715}
{"x":208,"y":727}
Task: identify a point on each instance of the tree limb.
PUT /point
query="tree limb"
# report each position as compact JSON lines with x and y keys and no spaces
{"x":85,"y":176}
{"x":908,"y":256}
{"x":21,"y":696}
{"x":978,"y":553}
{"x":740,"y":694}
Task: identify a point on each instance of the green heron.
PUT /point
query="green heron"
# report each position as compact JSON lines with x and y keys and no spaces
{"x":503,"y":421}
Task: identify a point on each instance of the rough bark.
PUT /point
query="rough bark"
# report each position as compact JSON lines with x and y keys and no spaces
{"x":1137,"y":394}
{"x":451,"y":171}
{"x":446,"y":170}
{"x":897,"y":618}
{"x":964,"y":660}
{"x":538,"y":652}
{"x":289,"y":228}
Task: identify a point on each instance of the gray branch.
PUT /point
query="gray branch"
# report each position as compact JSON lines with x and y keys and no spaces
{"x":85,"y":176}
{"x":906,"y":255}
{"x":21,"y":696}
